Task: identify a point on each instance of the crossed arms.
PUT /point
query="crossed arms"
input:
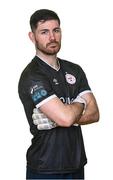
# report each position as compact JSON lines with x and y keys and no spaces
{"x":66,"y":115}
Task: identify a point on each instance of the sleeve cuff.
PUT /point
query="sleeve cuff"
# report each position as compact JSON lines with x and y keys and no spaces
{"x":45,"y":100}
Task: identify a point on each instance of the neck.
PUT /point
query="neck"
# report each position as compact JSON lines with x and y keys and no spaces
{"x":49,"y":59}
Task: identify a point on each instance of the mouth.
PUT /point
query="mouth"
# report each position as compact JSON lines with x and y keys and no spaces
{"x":53,"y":44}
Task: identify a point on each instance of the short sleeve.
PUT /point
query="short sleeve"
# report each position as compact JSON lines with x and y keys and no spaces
{"x":40,"y":90}
{"x":84,"y":85}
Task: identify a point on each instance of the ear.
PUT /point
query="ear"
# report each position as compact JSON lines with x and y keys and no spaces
{"x":31,"y":36}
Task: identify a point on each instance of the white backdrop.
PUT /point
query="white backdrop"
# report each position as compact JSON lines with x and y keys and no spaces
{"x":87,"y":40}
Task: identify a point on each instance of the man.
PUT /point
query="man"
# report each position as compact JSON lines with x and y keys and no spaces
{"x":57,"y":100}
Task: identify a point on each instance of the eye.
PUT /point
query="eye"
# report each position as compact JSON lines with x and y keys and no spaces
{"x":57,"y":30}
{"x":44,"y":32}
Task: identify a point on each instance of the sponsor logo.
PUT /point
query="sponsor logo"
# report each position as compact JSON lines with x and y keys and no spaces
{"x":66,"y":100}
{"x":38,"y":92}
{"x":35,"y":88}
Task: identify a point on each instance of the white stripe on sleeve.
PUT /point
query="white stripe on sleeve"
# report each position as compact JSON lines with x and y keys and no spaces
{"x":46,"y":100}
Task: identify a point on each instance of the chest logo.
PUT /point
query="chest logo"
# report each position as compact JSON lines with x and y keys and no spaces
{"x":70,"y":78}
{"x":55,"y":81}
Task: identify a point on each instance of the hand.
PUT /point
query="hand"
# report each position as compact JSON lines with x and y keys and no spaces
{"x":42,"y":121}
{"x":79,"y":99}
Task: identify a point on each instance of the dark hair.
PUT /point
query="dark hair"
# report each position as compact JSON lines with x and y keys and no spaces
{"x":42,"y":15}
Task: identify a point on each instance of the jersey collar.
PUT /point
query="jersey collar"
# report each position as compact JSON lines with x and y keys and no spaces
{"x":49,"y":64}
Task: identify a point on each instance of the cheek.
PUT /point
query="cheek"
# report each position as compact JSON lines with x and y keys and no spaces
{"x":42,"y":40}
{"x":58,"y":38}
{"x":41,"y":44}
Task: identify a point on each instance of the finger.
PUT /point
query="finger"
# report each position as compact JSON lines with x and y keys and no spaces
{"x":36,"y":110}
{"x":42,"y":121}
{"x":45,"y":126}
{"x":75,"y":124}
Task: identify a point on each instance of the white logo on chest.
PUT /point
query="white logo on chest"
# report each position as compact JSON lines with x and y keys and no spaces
{"x":55,"y":81}
{"x":70,"y":78}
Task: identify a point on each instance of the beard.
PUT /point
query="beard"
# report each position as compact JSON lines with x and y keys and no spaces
{"x":51,"y":48}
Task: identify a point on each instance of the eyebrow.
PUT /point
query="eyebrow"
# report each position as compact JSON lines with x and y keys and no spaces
{"x":48,"y":29}
{"x":43,"y":29}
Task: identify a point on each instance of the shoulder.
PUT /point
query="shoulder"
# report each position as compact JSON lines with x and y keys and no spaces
{"x":30,"y":68}
{"x":31,"y":74}
{"x":70,"y":65}
{"x":31,"y":71}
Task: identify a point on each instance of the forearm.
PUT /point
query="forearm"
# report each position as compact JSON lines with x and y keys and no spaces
{"x":83,"y":110}
{"x":63,"y":115}
{"x":74,"y":113}
{"x":91,"y":115}
{"x":44,"y":123}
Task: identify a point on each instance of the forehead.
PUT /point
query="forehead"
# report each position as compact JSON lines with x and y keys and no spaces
{"x":49,"y":24}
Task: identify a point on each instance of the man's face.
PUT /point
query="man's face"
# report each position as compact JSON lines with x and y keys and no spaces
{"x":48,"y":37}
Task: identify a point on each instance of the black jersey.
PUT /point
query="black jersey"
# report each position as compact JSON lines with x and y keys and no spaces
{"x":61,"y":149}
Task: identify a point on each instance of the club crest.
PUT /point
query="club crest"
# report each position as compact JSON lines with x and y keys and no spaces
{"x":70,"y":78}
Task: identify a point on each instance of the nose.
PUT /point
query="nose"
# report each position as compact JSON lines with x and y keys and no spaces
{"x":52,"y":36}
